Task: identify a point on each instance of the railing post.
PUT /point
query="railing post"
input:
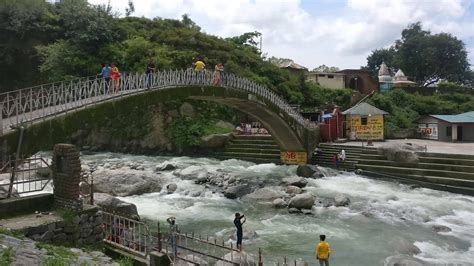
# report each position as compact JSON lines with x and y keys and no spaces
{"x":260,"y":263}
{"x":159,"y":238}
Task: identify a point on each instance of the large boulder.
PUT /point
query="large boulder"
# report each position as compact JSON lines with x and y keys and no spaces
{"x":165,"y":167}
{"x":341,"y":200}
{"x":295,"y":181}
{"x":401,"y":152}
{"x":192,"y":172}
{"x":440,"y":228}
{"x":171,"y":188}
{"x":112,"y":204}
{"x":405,"y":260}
{"x":237,"y":191}
{"x":215,"y":140}
{"x":120,"y":183}
{"x":266,"y":193}
{"x":292,"y":190}
{"x":308,"y":171}
{"x":279,"y":203}
{"x":404,"y":246}
{"x":302,"y":201}
{"x":242,"y":258}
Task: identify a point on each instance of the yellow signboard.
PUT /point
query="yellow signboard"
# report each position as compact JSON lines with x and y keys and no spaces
{"x":372,"y":128}
{"x":293,"y":157}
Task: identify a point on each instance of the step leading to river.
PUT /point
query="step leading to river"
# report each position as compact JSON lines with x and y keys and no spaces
{"x":442,"y":171}
{"x":253,"y":148}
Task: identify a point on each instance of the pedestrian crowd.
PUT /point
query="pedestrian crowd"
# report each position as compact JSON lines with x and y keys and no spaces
{"x":111,"y":74}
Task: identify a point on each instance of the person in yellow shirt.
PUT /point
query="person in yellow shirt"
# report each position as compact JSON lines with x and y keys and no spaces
{"x":323,"y":251}
{"x":199,"y":65}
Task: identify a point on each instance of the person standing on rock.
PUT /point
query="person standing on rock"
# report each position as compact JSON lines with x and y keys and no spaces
{"x":323,"y":251}
{"x":173,"y":234}
{"x":238,"y":224}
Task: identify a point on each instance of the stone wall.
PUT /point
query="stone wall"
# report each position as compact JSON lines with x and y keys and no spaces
{"x":84,"y":227}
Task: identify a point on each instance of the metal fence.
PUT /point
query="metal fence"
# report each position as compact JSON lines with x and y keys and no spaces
{"x":137,"y":239}
{"x":26,"y":175}
{"x":39,"y":102}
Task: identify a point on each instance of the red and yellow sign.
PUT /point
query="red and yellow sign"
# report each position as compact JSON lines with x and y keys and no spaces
{"x":294,"y":157}
{"x":373,"y":129}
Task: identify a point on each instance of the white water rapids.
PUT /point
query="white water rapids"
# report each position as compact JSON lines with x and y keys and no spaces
{"x":383,"y":219}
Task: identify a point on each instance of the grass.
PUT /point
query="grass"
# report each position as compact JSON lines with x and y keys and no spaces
{"x":216,"y":130}
{"x":59,"y":256}
{"x":124,"y":261}
{"x":12,"y":233}
{"x":67,"y":215}
{"x":6,"y":256}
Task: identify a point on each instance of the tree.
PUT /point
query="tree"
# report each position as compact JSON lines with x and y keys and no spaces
{"x":130,"y":9}
{"x":247,"y":38}
{"x":375,"y":59}
{"x":425,"y":57}
{"x":326,"y":69}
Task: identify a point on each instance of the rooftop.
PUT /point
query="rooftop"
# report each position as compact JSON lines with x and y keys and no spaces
{"x":364,"y":109}
{"x":460,"y":118}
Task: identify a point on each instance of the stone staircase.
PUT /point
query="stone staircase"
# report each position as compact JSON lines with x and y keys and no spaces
{"x":325,"y":159}
{"x":253,"y":148}
{"x":450,"y":172}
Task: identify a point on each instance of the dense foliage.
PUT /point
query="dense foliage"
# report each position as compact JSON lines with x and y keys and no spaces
{"x":425,"y":57}
{"x":47,"y":42}
{"x":405,"y":108}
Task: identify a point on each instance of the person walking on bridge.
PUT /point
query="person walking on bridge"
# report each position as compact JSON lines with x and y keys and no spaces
{"x":115,"y":77}
{"x":323,"y":251}
{"x":217,"y":75}
{"x":105,"y":74}
{"x":150,"y":70}
{"x":199,"y":68}
{"x":238,"y":224}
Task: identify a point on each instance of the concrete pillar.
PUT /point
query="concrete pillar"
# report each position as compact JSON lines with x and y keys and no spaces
{"x":159,"y":259}
{"x":66,"y":168}
{"x":454,"y":133}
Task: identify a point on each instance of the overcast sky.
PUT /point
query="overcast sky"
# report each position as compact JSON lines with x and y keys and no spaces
{"x":314,"y":32}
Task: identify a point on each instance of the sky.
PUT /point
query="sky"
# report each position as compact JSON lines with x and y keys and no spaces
{"x":339,"y":33}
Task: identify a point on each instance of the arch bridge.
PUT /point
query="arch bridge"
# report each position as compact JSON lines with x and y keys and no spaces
{"x":37,"y":104}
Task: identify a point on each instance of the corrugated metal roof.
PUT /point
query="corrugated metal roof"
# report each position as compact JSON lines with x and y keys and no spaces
{"x":364,"y":109}
{"x":460,"y":118}
{"x":292,"y":65}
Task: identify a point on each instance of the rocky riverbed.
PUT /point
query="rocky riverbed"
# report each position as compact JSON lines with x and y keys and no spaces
{"x":368,"y":222}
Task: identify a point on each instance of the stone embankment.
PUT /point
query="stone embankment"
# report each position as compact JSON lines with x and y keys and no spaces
{"x":406,"y":163}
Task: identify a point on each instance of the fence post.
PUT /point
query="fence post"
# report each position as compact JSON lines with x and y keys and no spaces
{"x":92,"y":187}
{"x":159,"y":238}
{"x":260,"y":263}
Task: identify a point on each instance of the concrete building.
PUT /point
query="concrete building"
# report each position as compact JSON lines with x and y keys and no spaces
{"x":356,"y":79}
{"x":447,"y":127}
{"x":364,"y":122}
{"x":327,"y":80}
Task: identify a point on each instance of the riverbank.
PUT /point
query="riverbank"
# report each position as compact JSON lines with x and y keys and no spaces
{"x":409,"y":217}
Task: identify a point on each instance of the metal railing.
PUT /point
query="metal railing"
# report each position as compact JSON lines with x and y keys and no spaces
{"x":135,"y":238}
{"x":39,"y":102}
{"x":26,"y":175}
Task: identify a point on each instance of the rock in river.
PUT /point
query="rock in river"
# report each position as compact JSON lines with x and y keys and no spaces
{"x":302,"y":201}
{"x":295,"y":181}
{"x":113,"y":205}
{"x":120,"y":183}
{"x":266,"y":193}
{"x":237,"y":191}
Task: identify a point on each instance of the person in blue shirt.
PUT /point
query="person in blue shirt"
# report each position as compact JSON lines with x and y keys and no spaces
{"x":105,"y":74}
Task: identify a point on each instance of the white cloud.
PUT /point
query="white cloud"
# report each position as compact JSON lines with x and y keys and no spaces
{"x":342,"y":37}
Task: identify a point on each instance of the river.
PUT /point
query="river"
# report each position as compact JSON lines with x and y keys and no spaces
{"x":383,"y":219}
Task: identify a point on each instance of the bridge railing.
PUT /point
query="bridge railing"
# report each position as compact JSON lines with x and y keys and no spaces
{"x":39,"y":102}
